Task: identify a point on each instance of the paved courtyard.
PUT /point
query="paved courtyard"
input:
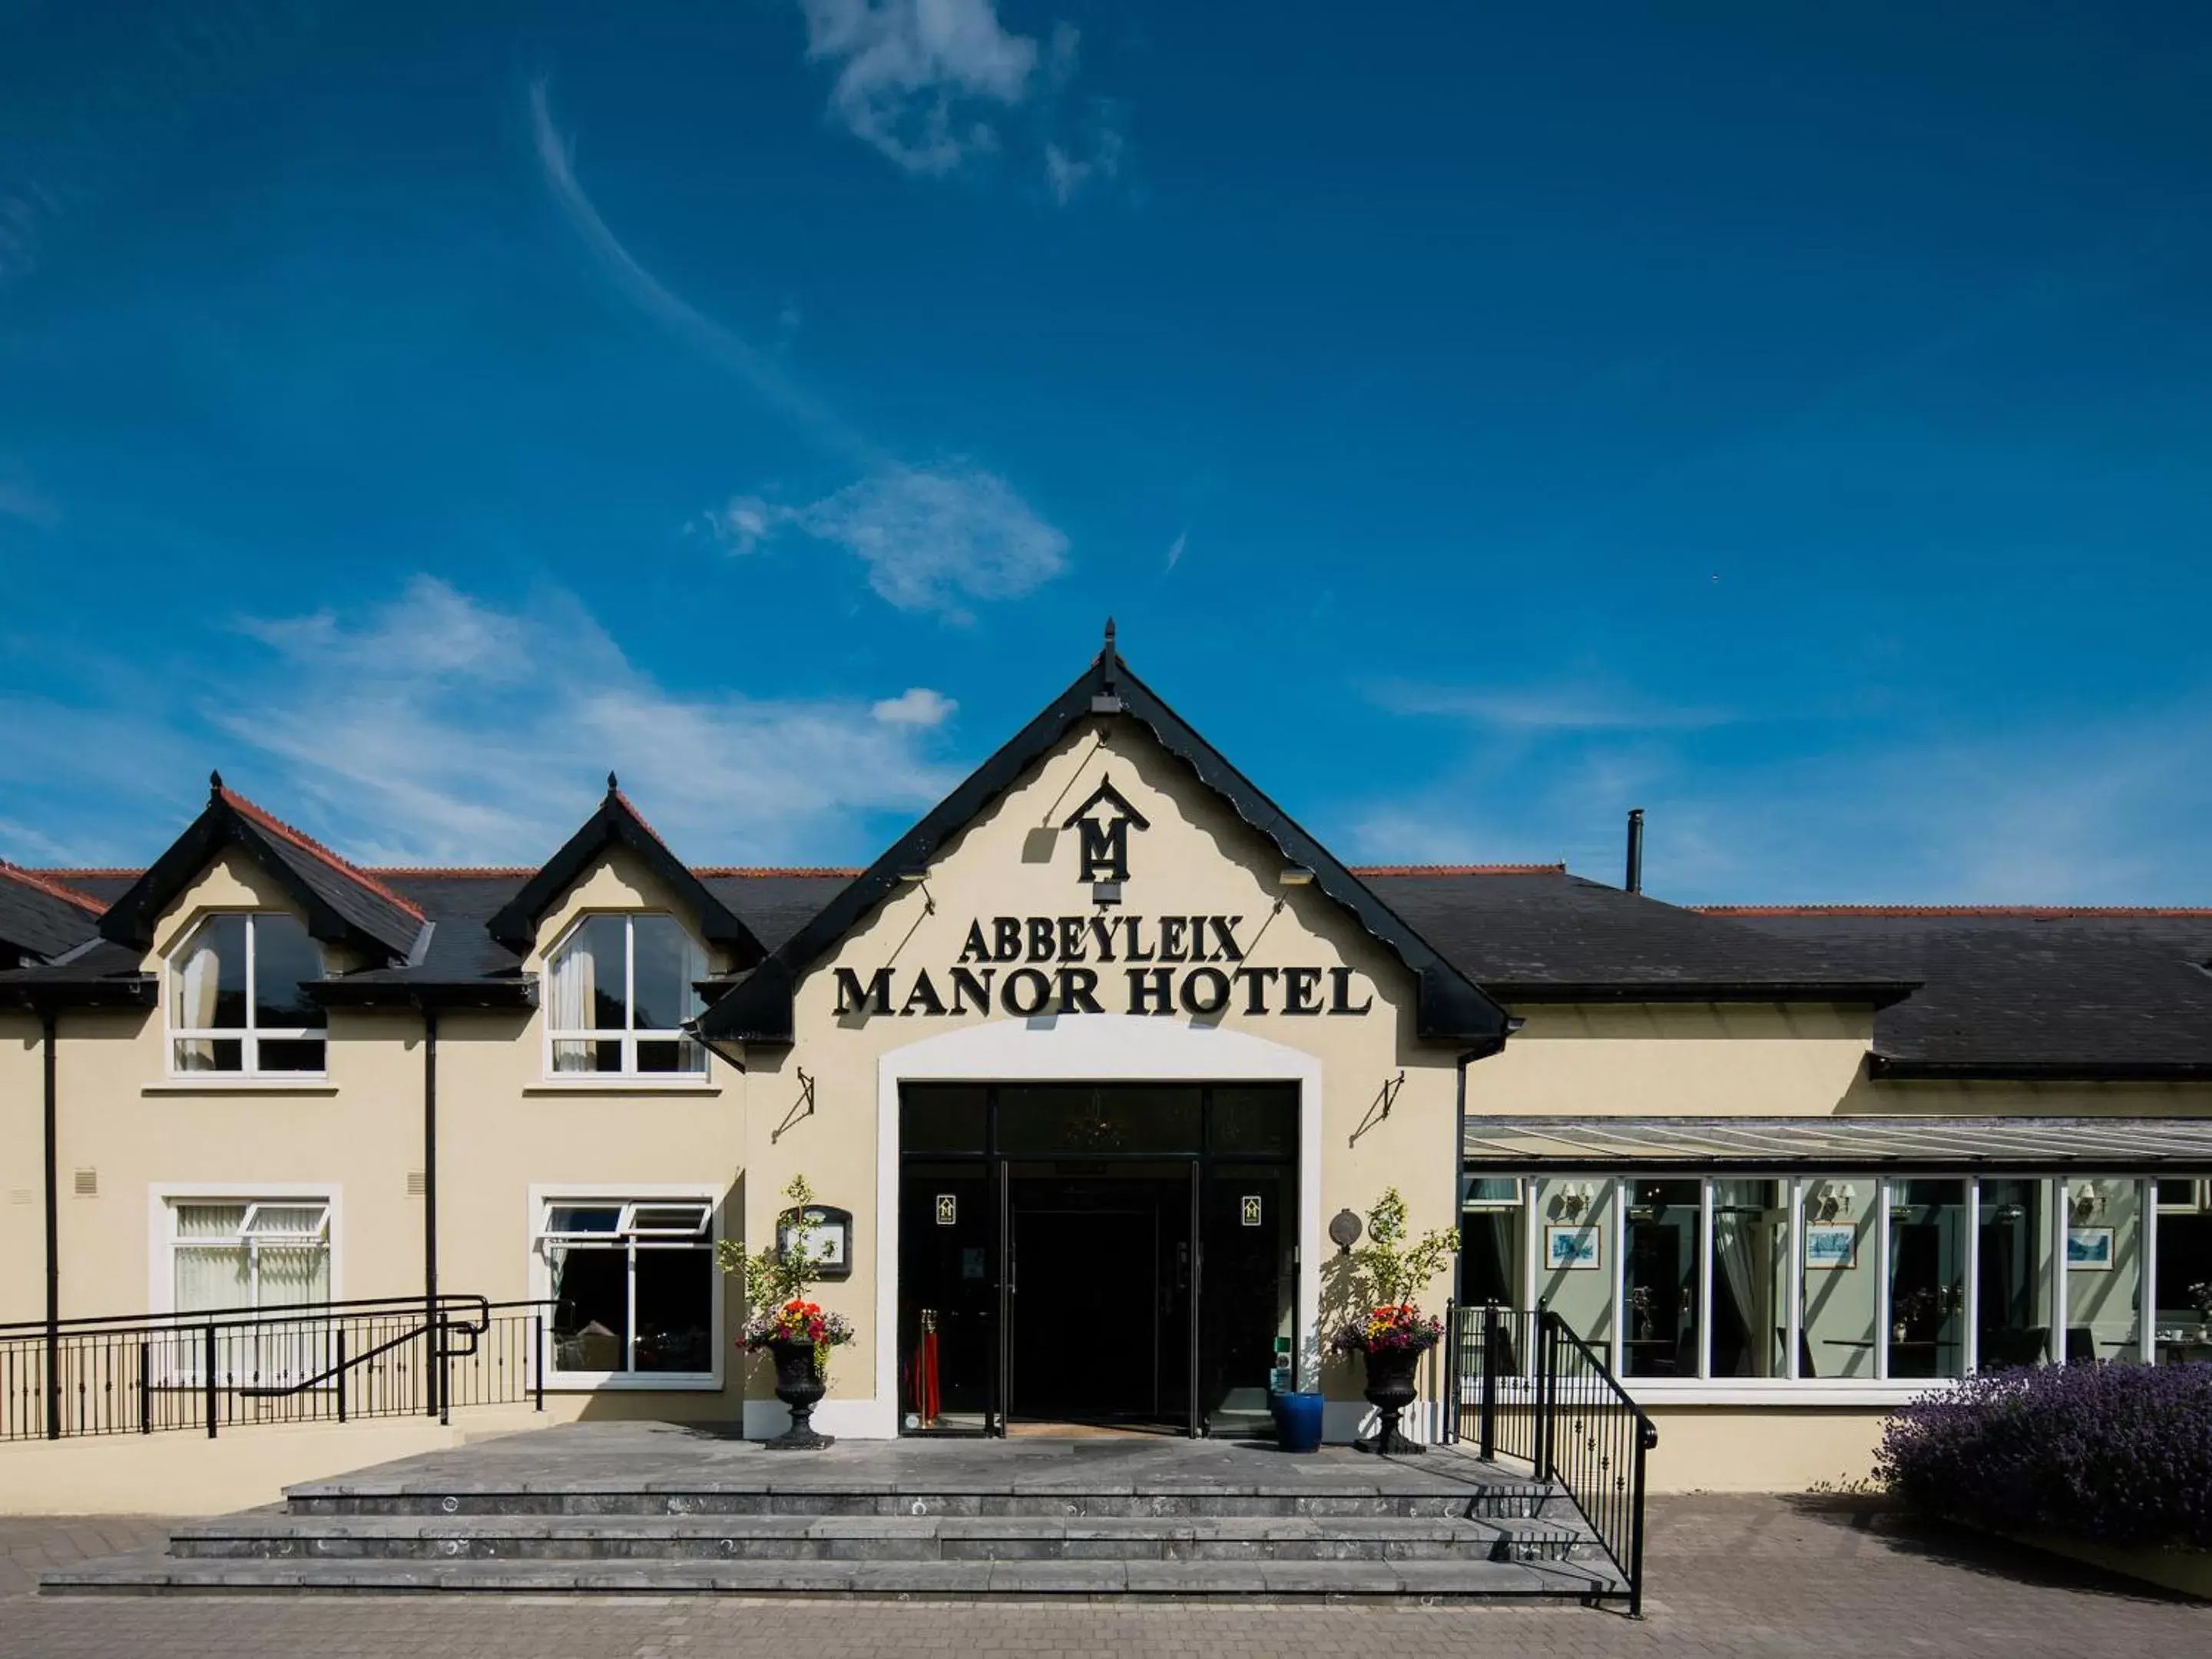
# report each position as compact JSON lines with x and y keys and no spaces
{"x":1730,"y":1575}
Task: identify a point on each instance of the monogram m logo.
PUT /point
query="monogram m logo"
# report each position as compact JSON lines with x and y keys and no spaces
{"x":1102,"y":825}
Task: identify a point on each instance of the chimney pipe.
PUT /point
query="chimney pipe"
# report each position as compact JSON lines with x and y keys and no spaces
{"x":1635,"y":882}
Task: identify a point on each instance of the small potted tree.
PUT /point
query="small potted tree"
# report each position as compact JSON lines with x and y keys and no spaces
{"x":1395,"y":1332}
{"x":784,"y":1320}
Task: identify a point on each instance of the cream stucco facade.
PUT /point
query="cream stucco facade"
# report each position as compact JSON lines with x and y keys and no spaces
{"x":1337,"y":1018}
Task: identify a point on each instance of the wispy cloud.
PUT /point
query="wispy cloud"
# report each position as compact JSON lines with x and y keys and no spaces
{"x":935,"y":538}
{"x":437,"y":726}
{"x":717,"y":341}
{"x":929,"y":84}
{"x":1568,"y":707}
{"x":2068,"y":812}
{"x":1176,"y":548}
{"x":920,"y":79}
{"x":23,"y":501}
{"x":916,"y":705}
{"x":1069,"y":170}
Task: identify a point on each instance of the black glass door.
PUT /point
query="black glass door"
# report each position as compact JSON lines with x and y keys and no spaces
{"x":948,"y":1298}
{"x":1096,"y":1254}
{"x":1098,"y":1294}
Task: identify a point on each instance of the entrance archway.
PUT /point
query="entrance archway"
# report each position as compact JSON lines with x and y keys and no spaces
{"x":1103,"y":1053}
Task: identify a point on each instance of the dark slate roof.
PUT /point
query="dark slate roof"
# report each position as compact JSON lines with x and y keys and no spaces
{"x":344,"y":904}
{"x":776,"y":903}
{"x":99,"y":975}
{"x":41,"y":918}
{"x":2052,"y":992}
{"x":618,"y":824}
{"x":2048,"y":992}
{"x":1542,"y":935}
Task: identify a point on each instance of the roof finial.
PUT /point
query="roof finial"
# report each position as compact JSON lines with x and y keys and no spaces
{"x":1109,"y":639}
{"x":613,"y":788}
{"x":214,"y":784}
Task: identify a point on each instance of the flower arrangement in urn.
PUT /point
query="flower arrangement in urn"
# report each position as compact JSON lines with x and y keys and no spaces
{"x":796,"y":1332}
{"x":1389,"y":1268}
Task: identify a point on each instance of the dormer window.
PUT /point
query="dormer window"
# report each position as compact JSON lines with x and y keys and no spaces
{"x":619,"y":988}
{"x":238,"y":999}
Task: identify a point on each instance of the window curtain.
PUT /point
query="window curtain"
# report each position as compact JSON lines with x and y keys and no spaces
{"x":213,"y":1273}
{"x":292,"y":1274}
{"x":694,"y":970}
{"x":196,"y":1001}
{"x":1736,"y":1250}
{"x":575,"y":987}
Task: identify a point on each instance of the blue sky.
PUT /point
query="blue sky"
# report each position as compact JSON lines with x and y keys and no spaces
{"x":1482,"y":419}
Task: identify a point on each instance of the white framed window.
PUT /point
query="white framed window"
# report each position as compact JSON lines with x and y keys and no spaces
{"x":618,"y":989}
{"x":2184,"y":1196}
{"x":1490,"y":1193}
{"x":238,"y":1001}
{"x":248,"y":1253}
{"x":1729,"y":1285}
{"x":635,"y":1291}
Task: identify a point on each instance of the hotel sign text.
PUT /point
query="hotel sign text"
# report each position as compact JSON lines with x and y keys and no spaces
{"x":1028,"y":966}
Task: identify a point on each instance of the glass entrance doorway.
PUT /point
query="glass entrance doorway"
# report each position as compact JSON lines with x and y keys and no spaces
{"x":1111,"y":1256}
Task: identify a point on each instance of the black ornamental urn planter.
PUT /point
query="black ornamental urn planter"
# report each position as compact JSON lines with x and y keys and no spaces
{"x":1390,"y":1390}
{"x":799,"y":1385}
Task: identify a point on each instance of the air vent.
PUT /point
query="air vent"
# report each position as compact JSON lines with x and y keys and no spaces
{"x":417,"y":1183}
{"x":19,"y":1195}
{"x":87,"y":1183}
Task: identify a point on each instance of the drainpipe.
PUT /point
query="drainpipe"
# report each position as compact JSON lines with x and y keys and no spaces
{"x":433,"y":1337}
{"x":49,"y":1022}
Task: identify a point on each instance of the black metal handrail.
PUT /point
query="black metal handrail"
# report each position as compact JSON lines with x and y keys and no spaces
{"x":1537,"y":1392}
{"x":240,"y":1315}
{"x":326,"y":1361}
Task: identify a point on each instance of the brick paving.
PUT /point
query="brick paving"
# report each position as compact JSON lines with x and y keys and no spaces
{"x":1731,"y":1576}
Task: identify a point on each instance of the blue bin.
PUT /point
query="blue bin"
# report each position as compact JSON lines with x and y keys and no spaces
{"x":1298,"y":1420}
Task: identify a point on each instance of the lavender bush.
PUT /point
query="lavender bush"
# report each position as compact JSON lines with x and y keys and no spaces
{"x":2118,"y":1453}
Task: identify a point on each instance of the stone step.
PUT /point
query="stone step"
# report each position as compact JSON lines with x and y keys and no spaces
{"x":1526,"y":1500}
{"x":155,"y":1573}
{"x":276,"y":1537}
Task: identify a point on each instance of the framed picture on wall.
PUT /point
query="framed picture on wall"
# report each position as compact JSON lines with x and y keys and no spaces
{"x":1572,"y":1247}
{"x":1830,"y":1247}
{"x":2089,"y":1250}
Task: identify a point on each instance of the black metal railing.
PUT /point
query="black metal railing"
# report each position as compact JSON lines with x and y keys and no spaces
{"x":1526,"y":1386}
{"x":231,"y":1367}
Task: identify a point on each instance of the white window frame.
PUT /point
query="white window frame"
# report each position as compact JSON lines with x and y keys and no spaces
{"x":163,"y":1199}
{"x":249,"y":1035}
{"x":1880,"y":1390}
{"x":629,"y":1196}
{"x":629,"y":1036}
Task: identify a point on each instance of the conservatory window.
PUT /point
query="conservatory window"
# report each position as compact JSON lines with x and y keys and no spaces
{"x":1851,"y":1279}
{"x":620,"y":988}
{"x":1489,"y":1243}
{"x":1666,"y":1240}
{"x":2183,"y":1276}
{"x":1749,"y":1276}
{"x":2101,"y":1290}
{"x":238,"y":999}
{"x":1577,"y":1265}
{"x":1840,"y":1221}
{"x":2014,"y":1281}
{"x":633,"y":1285}
{"x":1928,"y":1249}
